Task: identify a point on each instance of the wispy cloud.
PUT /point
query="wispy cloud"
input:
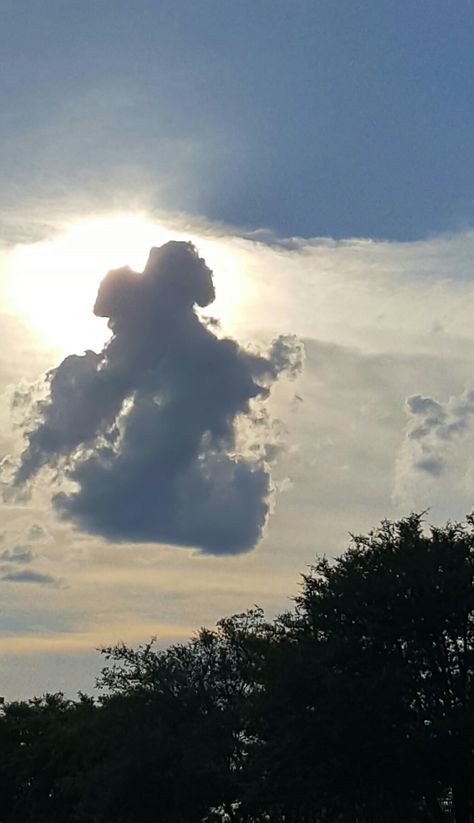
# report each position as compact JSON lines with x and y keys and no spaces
{"x":18,"y":554}
{"x":31,"y":576}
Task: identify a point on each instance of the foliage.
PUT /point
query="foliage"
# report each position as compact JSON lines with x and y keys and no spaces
{"x":355,"y":707}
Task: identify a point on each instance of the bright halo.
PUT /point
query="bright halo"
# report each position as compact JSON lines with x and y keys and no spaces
{"x":53,"y":284}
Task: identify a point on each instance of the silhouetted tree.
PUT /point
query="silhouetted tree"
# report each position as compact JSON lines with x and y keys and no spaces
{"x":355,"y":707}
{"x":394,"y":617}
{"x":197,"y":694}
{"x":45,"y":749}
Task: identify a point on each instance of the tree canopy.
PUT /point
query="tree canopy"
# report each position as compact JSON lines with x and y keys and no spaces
{"x":354,"y":707}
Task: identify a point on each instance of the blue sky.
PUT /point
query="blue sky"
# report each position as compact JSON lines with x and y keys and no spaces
{"x":338,"y":118}
{"x":319,"y":156}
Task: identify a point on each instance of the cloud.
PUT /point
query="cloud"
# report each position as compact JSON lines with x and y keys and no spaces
{"x":37,"y":532}
{"x":145,"y":430}
{"x":373,"y":306}
{"x":18,"y":554}
{"x":30,"y":576}
{"x":437,"y":448}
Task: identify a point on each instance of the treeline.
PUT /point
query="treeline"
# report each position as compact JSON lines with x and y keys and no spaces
{"x":356,"y":707}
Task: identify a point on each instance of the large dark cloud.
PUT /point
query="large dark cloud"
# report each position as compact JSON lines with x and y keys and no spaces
{"x":146,"y":429}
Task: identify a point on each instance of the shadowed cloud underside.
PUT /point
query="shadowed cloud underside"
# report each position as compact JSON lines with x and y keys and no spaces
{"x":146,"y":429}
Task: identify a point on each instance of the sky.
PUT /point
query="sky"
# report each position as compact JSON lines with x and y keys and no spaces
{"x":185,"y":429}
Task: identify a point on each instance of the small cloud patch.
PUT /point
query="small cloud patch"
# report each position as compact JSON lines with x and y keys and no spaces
{"x":36,"y":532}
{"x":31,"y":576}
{"x":18,"y":554}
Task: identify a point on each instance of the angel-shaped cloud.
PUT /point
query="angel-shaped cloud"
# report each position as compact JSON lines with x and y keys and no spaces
{"x":146,"y":429}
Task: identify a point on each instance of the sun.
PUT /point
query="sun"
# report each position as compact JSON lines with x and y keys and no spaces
{"x":53,"y":284}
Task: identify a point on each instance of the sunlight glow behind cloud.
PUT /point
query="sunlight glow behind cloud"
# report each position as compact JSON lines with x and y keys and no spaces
{"x":53,"y":284}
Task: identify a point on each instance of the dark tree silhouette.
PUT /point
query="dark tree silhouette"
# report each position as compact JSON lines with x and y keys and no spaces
{"x":394,"y":616}
{"x":355,"y":707}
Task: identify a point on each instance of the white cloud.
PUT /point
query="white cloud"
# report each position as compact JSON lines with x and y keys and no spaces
{"x":436,"y":461}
